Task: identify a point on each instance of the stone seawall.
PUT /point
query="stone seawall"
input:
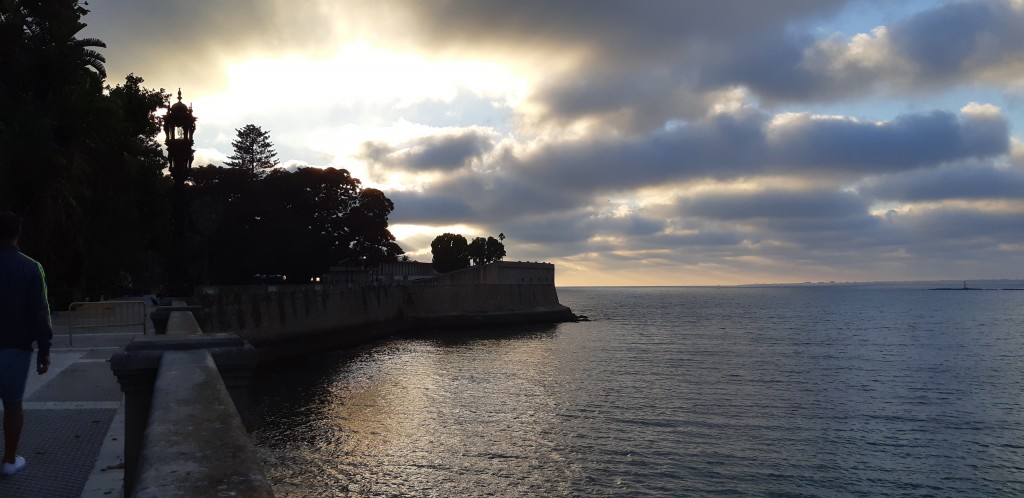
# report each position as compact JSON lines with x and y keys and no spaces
{"x":284,"y":321}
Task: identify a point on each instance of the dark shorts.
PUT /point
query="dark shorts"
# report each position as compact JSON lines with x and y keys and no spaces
{"x":14,"y":365}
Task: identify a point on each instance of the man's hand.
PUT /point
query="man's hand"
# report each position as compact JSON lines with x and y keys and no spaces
{"x":42,"y":364}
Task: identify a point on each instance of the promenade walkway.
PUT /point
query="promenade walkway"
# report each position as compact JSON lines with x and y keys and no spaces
{"x":73,"y":439}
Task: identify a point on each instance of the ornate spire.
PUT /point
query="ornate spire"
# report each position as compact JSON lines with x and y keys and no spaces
{"x":179,"y":94}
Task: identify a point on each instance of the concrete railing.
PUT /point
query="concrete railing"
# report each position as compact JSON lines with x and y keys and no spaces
{"x":194,"y":430}
{"x":185,"y":398}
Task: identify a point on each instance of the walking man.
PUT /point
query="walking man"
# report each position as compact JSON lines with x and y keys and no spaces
{"x":24,"y":319}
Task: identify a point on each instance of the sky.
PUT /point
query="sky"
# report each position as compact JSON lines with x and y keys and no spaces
{"x":630,"y":143}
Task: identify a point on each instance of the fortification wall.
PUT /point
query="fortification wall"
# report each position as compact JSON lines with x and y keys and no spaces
{"x":502,"y":272}
{"x":284,"y":321}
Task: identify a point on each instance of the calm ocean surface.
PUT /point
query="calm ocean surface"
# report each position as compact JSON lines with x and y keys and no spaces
{"x":796,"y":391}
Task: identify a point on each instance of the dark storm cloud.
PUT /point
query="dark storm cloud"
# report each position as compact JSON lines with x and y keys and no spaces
{"x":432,"y":153}
{"x":955,"y":182}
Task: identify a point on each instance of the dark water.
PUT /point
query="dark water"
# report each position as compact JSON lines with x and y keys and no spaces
{"x":800,"y":391}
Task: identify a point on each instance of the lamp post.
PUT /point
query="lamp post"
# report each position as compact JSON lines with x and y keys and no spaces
{"x":179,"y":125}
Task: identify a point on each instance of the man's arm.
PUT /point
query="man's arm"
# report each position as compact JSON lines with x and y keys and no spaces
{"x":42,"y":325}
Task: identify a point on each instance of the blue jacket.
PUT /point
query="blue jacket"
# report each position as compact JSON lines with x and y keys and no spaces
{"x":24,"y":309}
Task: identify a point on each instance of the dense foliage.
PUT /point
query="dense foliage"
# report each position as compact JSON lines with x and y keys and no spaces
{"x":451,"y":252}
{"x":482,"y":251}
{"x":81,"y":163}
{"x":286,"y":223}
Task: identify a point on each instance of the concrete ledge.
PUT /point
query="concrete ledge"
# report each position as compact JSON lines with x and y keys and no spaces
{"x":183,"y":323}
{"x":195,"y":443}
{"x":138,"y":369}
{"x":161,"y":317}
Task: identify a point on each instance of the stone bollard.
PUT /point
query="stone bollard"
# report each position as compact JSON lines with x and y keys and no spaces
{"x":136,"y":370}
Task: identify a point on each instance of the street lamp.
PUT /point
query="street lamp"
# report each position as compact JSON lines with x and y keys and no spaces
{"x":179,"y":125}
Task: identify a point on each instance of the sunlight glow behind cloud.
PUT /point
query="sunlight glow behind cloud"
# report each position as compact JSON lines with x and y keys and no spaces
{"x":357,"y":74}
{"x":641,"y":143}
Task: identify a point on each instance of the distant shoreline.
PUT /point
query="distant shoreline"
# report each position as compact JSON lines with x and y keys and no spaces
{"x":943,"y":284}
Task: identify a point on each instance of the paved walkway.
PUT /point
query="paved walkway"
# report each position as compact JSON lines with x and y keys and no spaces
{"x":73,"y":439}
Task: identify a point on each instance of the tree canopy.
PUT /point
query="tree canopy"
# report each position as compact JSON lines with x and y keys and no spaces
{"x":482,"y":251}
{"x":253,"y":150}
{"x":79,"y":161}
{"x":289,"y":223}
{"x":81,"y":166}
{"x":450,"y":252}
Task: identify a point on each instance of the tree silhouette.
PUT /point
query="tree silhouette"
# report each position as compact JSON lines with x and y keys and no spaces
{"x":297,"y":223}
{"x":253,"y":151}
{"x":482,"y":251}
{"x":82,"y":167}
{"x":450,"y":252}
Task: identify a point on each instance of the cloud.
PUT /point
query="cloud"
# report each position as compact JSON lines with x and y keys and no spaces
{"x":432,"y":153}
{"x":559,"y":194}
{"x":975,"y":181}
{"x":952,"y":232}
{"x":773,"y":204}
{"x":612,"y":30}
{"x":419,"y":208}
{"x":908,"y":141}
{"x":187,"y":43}
{"x":753,"y":143}
{"x":942,"y":47}
{"x":958,"y":38}
{"x":630,"y":65}
{"x":732,"y":140}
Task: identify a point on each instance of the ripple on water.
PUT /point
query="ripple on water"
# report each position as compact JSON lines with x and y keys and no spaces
{"x":868,"y":391}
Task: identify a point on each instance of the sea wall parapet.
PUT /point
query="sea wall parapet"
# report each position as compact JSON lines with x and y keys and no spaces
{"x":294,"y":319}
{"x":184,"y":397}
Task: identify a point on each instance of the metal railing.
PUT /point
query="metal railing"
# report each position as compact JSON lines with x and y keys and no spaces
{"x":106,"y":314}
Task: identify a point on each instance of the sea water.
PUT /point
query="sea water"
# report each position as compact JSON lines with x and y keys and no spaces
{"x":878,"y":390}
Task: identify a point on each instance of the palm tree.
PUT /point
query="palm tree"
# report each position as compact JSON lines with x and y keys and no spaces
{"x":54,"y":122}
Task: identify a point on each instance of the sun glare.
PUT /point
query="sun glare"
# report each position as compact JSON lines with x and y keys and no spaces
{"x":356,"y":74}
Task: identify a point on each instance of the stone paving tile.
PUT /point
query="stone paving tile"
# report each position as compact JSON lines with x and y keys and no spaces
{"x":60,"y":447}
{"x":69,"y":417}
{"x":81,"y":381}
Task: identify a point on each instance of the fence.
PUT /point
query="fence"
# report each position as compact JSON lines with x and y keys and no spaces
{"x":106,"y":314}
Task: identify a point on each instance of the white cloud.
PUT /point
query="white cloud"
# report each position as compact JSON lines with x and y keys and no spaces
{"x":661,"y":142}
